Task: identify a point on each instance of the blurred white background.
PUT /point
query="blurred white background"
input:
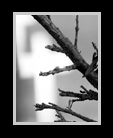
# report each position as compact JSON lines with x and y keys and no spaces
{"x":32,"y":57}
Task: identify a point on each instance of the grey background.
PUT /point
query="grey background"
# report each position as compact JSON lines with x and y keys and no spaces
{"x":72,"y":80}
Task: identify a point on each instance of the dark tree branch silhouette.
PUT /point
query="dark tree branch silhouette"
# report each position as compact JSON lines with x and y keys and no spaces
{"x":58,"y":70}
{"x":76,"y":31}
{"x":42,"y":106}
{"x":54,"y":48}
{"x":66,"y":47}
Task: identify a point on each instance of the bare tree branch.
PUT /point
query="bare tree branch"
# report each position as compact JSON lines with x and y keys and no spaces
{"x":90,"y":95}
{"x":58,"y":70}
{"x":93,"y":95}
{"x":63,"y":121}
{"x":43,"y":106}
{"x":54,"y":48}
{"x":92,"y":66}
{"x":67,"y":47}
{"x":48,"y":17}
{"x":71,"y":101}
{"x":59,"y":115}
{"x":84,"y":88}
{"x":95,"y":47}
{"x":76,"y":31}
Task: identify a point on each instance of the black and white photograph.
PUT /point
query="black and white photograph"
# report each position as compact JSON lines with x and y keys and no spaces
{"x":57,"y":68}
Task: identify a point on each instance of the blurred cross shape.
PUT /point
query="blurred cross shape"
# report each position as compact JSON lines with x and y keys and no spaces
{"x":30,"y":65}
{"x":39,"y":59}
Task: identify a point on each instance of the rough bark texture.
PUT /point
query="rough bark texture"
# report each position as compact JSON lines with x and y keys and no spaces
{"x":68,"y":48}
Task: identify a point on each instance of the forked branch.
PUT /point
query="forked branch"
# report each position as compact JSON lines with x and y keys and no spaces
{"x":90,"y":95}
{"x":43,"y":106}
{"x":67,"y":47}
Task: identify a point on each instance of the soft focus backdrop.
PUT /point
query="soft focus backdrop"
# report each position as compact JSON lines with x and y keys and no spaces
{"x":32,"y":57}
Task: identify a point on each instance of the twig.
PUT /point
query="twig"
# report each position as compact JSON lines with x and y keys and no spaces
{"x":76,"y":31}
{"x":70,"y":102}
{"x":42,"y":106}
{"x":63,"y":121}
{"x":48,"y":17}
{"x":67,"y":46}
{"x":82,"y":91}
{"x":90,"y":95}
{"x":84,"y":88}
{"x":58,"y":70}
{"x":71,"y":94}
{"x":54,"y":48}
{"x":92,"y":66}
{"x":59,"y":115}
{"x":95,"y":47}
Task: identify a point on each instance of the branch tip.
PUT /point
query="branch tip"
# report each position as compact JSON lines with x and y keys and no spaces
{"x":58,"y":70}
{"x":95,"y":47}
{"x":54,"y":48}
{"x":76,"y":31}
{"x":84,"y":88}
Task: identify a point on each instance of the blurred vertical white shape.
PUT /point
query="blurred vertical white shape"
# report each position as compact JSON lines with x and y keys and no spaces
{"x":30,"y":64}
{"x":40,"y":59}
{"x":44,"y":86}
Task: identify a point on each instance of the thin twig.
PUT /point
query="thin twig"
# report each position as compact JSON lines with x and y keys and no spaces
{"x":63,"y":121}
{"x":92,"y":66}
{"x":48,"y":17}
{"x":76,"y":31}
{"x":89,"y":95}
{"x":82,"y":91}
{"x":43,"y":106}
{"x":84,"y":88}
{"x":54,"y":48}
{"x":59,"y":115}
{"x":95,"y":47}
{"x":72,"y":101}
{"x":71,"y":94}
{"x":58,"y":70}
